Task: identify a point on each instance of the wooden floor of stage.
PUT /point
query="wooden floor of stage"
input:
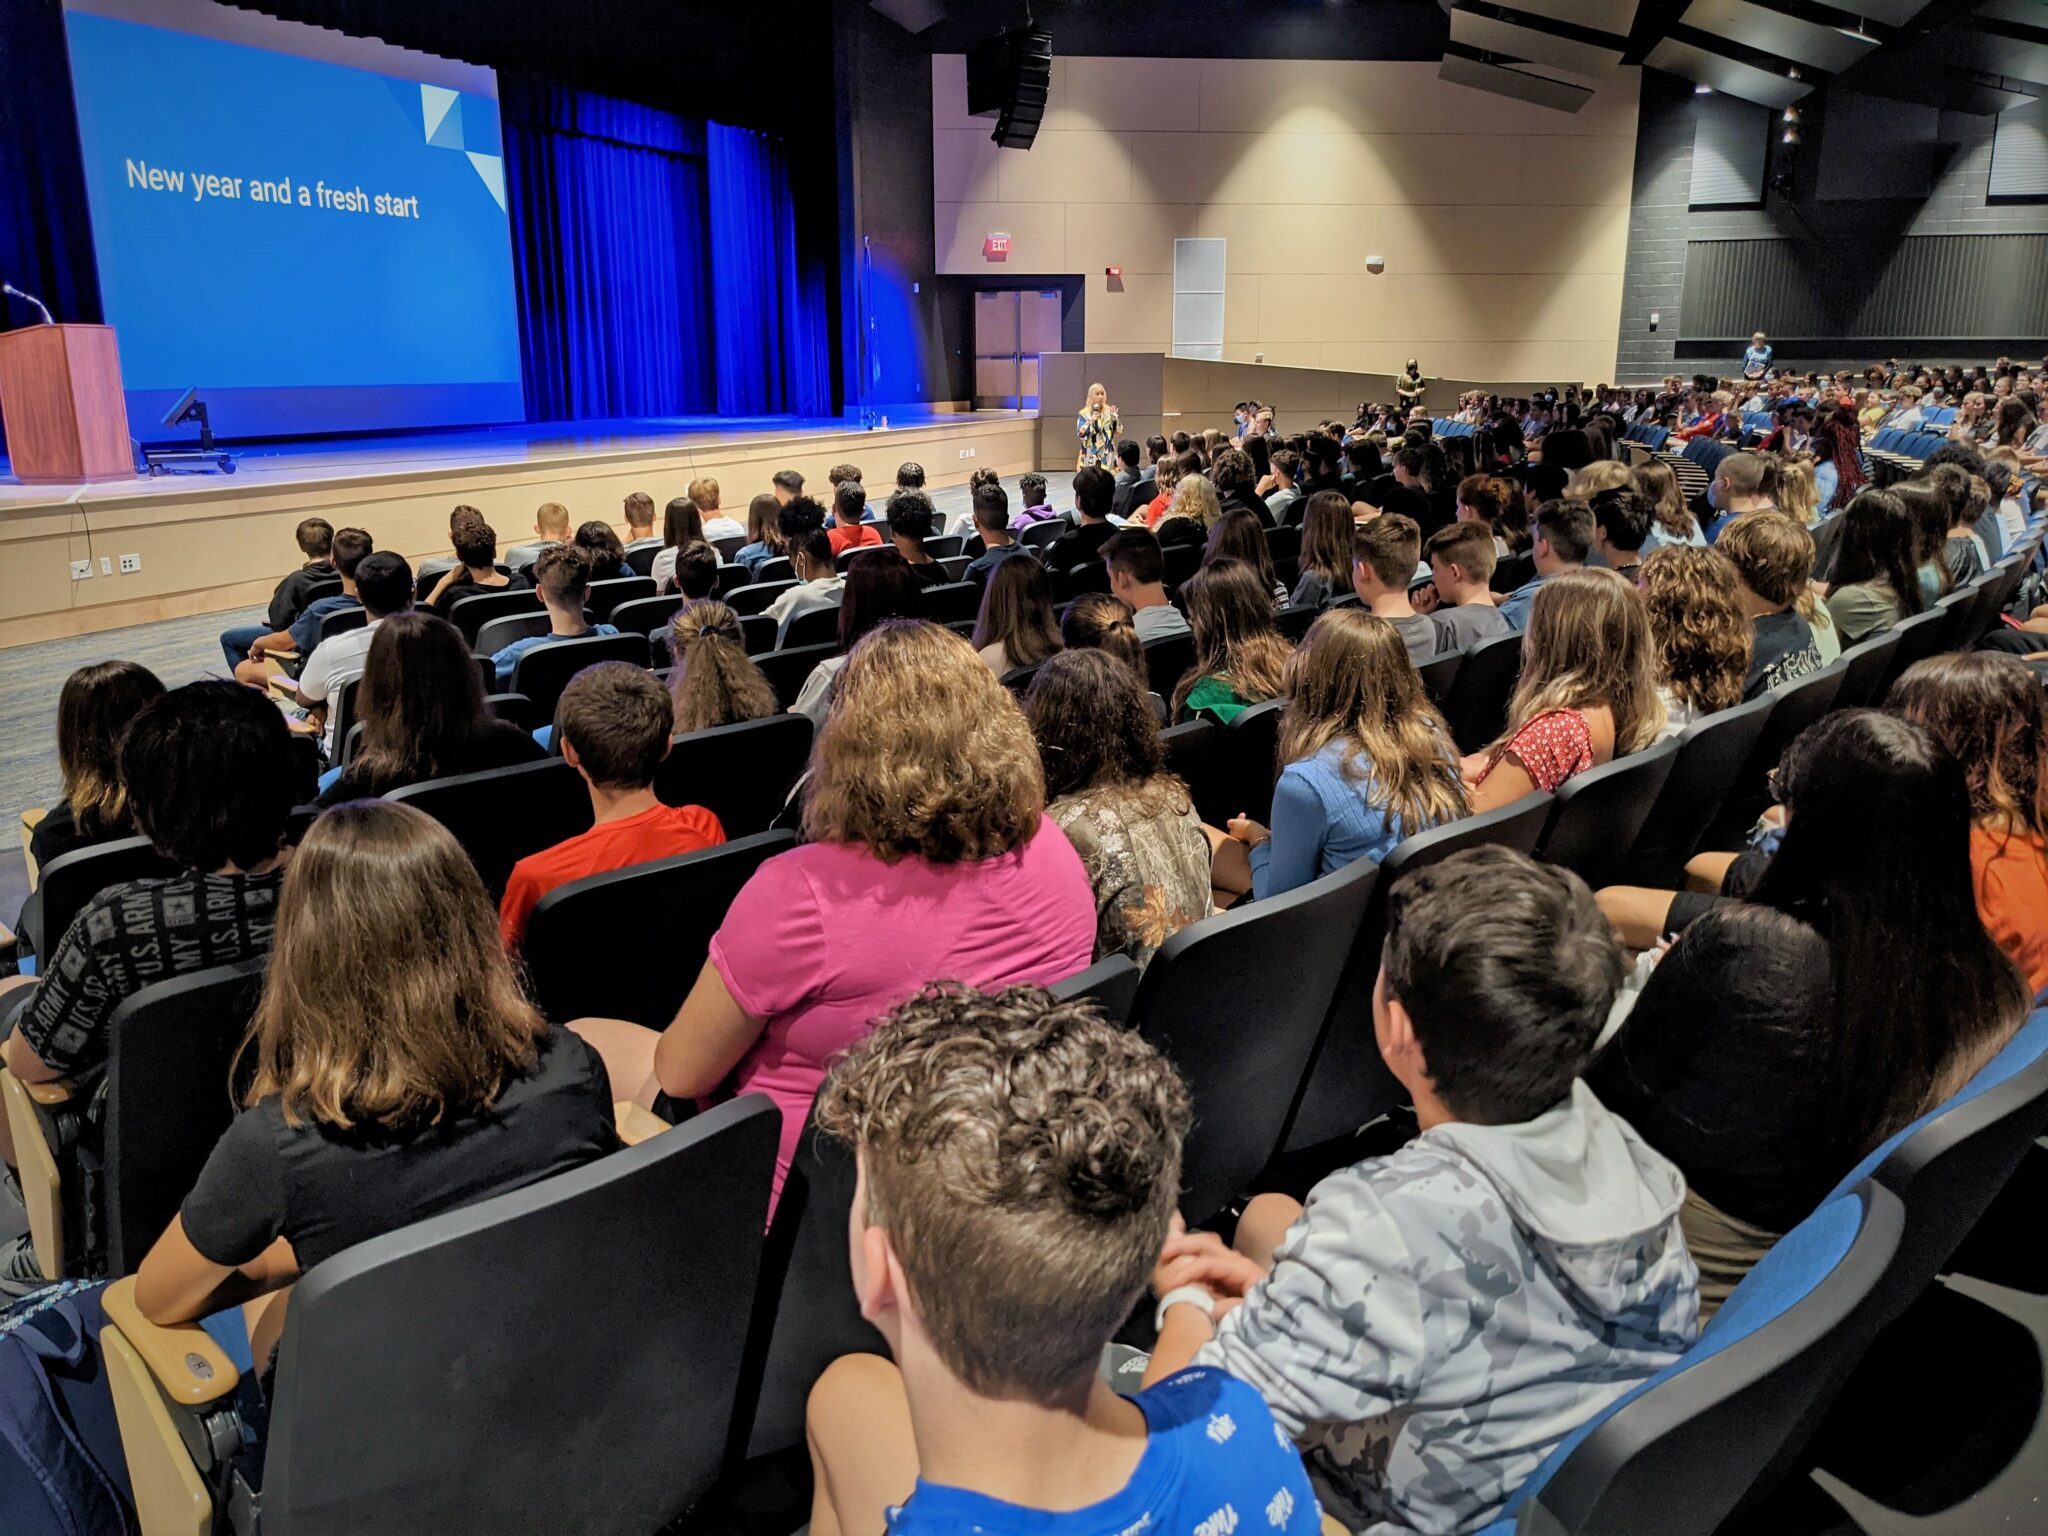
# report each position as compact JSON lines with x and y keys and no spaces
{"x":209,"y":543}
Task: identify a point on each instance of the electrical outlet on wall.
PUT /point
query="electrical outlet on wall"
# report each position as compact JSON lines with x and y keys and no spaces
{"x":81,"y":570}
{"x":966,"y":453}
{"x":130,"y":564}
{"x":106,"y":565}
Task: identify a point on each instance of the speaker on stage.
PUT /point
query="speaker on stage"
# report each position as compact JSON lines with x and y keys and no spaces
{"x":1008,"y":78}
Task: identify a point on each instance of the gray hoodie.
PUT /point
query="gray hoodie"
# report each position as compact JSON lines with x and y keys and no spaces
{"x":1439,"y":1319}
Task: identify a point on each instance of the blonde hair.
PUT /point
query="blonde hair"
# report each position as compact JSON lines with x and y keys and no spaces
{"x":552,"y":517}
{"x":1797,"y":495}
{"x":1590,"y":480}
{"x":1588,"y":643}
{"x":1703,"y":639}
{"x":1194,"y":497}
{"x":389,"y":1000}
{"x":704,"y":492}
{"x":714,"y":681}
{"x":1351,"y":680}
{"x":924,"y":754}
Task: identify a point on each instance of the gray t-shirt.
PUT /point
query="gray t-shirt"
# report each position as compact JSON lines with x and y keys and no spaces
{"x":1156,"y":623}
{"x":1419,"y":633}
{"x":1466,"y":624}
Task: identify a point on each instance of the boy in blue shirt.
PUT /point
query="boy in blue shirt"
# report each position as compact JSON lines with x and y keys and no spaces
{"x":562,"y":573}
{"x":1019,"y":1161}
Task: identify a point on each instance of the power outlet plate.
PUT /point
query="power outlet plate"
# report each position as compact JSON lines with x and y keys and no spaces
{"x":130,"y":564}
{"x":81,"y":570}
{"x":106,"y":565}
{"x":966,"y":453}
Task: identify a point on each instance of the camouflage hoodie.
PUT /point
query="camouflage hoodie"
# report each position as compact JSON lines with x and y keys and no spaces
{"x":1439,"y":1319}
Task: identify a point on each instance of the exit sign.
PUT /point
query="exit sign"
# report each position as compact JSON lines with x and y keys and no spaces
{"x":996,"y":248}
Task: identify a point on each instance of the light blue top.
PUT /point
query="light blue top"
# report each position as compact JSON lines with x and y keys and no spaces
{"x":1516,"y":605}
{"x":1323,"y":820}
{"x":506,"y":661}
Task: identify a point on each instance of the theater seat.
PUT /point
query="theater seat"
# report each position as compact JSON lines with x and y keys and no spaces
{"x":758,"y":597}
{"x":820,"y":626}
{"x":1439,"y":674}
{"x":503,"y":814}
{"x":1167,"y":659}
{"x":1799,"y":705}
{"x":951,"y":602}
{"x":1711,"y":755}
{"x":71,"y":880}
{"x":544,"y":671}
{"x":1249,"y":760}
{"x":787,"y":667}
{"x":1598,"y":814}
{"x":403,"y":1358}
{"x":574,"y":926}
{"x":1194,"y":754}
{"x":470,"y":614}
{"x":1477,"y":706}
{"x":1110,"y":984}
{"x":507,"y":628}
{"x":1865,"y":667}
{"x":741,"y":773}
{"x":645,"y":615}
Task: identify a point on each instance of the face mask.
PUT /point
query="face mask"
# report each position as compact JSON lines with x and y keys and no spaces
{"x":1713,"y":499}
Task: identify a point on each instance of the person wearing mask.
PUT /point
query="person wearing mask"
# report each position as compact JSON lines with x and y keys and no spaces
{"x":616,"y":721}
{"x":315,"y":536}
{"x":1562,"y":535}
{"x":563,"y":579}
{"x":1783,"y":1036}
{"x":1384,"y":555}
{"x":1094,"y":493}
{"x":1109,"y":789}
{"x":879,"y":587}
{"x":1240,"y":654}
{"x":1368,"y":761}
{"x":423,"y":714}
{"x":1773,"y":559}
{"x":1587,"y":693}
{"x":1137,"y":573}
{"x":1461,"y":559}
{"x":1017,"y":626}
{"x":818,"y":582}
{"x":378,"y":1103}
{"x":928,"y":853}
{"x":911,"y":520}
{"x":1702,"y":635}
{"x":1874,"y":583}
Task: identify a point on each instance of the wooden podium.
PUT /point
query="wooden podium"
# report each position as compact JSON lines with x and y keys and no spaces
{"x":60,"y":396}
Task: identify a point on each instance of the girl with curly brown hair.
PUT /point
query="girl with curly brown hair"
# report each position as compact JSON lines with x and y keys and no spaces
{"x":1703,"y":640}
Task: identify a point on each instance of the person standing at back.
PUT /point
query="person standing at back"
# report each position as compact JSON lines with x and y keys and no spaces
{"x":1756,"y":357}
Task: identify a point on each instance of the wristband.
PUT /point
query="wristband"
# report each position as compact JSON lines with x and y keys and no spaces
{"x":1193,"y":1295}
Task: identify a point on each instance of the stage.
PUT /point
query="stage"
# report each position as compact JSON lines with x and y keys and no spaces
{"x":216,"y":543}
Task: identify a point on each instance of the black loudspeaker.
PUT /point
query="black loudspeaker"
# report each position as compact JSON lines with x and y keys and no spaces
{"x":1008,"y":78}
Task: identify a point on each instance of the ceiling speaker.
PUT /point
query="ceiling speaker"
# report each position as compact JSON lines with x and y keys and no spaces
{"x":1008,"y":78}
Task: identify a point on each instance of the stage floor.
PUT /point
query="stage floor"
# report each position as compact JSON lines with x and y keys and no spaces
{"x":175,"y":545}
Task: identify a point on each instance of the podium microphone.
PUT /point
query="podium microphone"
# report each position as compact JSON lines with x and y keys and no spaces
{"x":14,"y":292}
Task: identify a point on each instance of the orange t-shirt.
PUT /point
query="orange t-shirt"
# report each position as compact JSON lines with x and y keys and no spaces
{"x":659,"y":833}
{"x":2010,"y":872}
{"x":861,"y":537}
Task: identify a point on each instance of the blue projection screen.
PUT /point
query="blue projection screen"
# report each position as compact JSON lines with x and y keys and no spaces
{"x":308,"y":227}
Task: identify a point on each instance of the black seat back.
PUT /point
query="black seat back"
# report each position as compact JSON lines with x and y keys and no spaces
{"x":544,"y":671}
{"x":1711,"y":753}
{"x":1919,"y":637}
{"x":1295,"y":622}
{"x":645,"y":615}
{"x":781,"y":568}
{"x":1088,"y":576}
{"x":470,"y":614}
{"x":1439,"y":674}
{"x":1238,"y":1002}
{"x":340,"y":622}
{"x":170,"y":1054}
{"x":503,"y":814}
{"x":69,"y":881}
{"x":951,"y":602}
{"x":1864,"y":669}
{"x":943,"y":546}
{"x":1250,"y":745}
{"x":1110,"y":983}
{"x":416,"y":1390}
{"x":1800,"y":704}
{"x":758,"y":597}
{"x":1347,"y":1084}
{"x":787,"y":668}
{"x":1039,"y":535}
{"x":1166,"y":660}
{"x":1600,"y":813}
{"x":684,"y":899}
{"x":820,"y":626}
{"x":641,"y":561}
{"x":1477,"y":705}
{"x":496,"y":634}
{"x":603,"y":596}
{"x":741,"y":773}
{"x":1194,"y":752}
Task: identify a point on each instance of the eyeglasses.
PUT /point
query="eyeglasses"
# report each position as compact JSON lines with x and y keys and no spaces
{"x":1774,"y":784}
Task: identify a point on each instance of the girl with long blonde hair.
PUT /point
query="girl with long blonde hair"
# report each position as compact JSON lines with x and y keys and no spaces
{"x":1368,"y":759}
{"x":1240,"y":654}
{"x":1798,"y":495}
{"x":1587,"y":695}
{"x":1703,"y":638}
{"x":714,"y":682}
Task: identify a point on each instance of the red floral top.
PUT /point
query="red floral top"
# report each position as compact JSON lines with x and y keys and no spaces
{"x":1553,"y":747}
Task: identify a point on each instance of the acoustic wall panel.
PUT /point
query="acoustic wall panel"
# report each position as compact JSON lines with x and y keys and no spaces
{"x":1198,"y":272}
{"x":1730,"y":140}
{"x":2019,"y":153}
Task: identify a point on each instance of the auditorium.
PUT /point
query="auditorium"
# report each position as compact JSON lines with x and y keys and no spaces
{"x":1031,"y":767}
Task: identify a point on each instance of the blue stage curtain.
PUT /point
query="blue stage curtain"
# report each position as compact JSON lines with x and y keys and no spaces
{"x":607,"y":206}
{"x":768,"y":306}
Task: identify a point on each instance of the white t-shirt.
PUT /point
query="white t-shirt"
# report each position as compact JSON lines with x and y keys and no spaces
{"x":334,"y":661}
{"x":723,"y":528}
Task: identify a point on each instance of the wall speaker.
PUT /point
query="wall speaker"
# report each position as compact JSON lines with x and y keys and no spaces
{"x":1008,"y":78}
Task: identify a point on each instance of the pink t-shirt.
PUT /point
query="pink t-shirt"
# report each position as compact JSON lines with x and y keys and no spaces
{"x":826,"y":938}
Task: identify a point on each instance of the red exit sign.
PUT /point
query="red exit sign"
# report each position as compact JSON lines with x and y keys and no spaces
{"x":996,"y":248}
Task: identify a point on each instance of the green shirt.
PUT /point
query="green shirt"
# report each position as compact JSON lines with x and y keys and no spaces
{"x":1215,"y":697}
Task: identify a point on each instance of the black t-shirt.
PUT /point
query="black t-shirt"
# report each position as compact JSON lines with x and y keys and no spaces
{"x":1236,"y":503}
{"x":130,"y":936}
{"x":1722,"y":1066}
{"x":501,"y":745}
{"x":1784,"y":652}
{"x":58,"y":833}
{"x":929,"y":573}
{"x":326,"y":1189}
{"x":465,"y":586}
{"x":1079,"y":547}
{"x":1180,"y":530}
{"x":289,"y":600}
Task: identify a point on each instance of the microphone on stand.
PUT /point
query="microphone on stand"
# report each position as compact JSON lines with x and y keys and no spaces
{"x":14,"y":292}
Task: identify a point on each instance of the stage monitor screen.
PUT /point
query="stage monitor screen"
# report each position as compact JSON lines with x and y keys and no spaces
{"x":308,"y":227}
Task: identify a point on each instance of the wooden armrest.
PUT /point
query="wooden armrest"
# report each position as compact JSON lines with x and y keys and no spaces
{"x":637,"y":1124}
{"x":30,"y":820}
{"x":188,"y":1365}
{"x":35,"y":1167}
{"x":59,"y":1090}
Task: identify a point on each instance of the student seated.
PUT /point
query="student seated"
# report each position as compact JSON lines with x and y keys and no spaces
{"x":563,"y":576}
{"x":704,"y":492}
{"x":1325,"y":567}
{"x":909,"y":476}
{"x":1191,"y":513}
{"x":1773,"y":557}
{"x":615,"y":721}
{"x":911,"y":519}
{"x":1743,"y":482}
{"x":787,"y":485}
{"x":349,"y":548}
{"x":998,"y":1247}
{"x":1285,"y":494}
{"x":1093,"y":493}
{"x":376,"y":1102}
{"x":602,"y":549}
{"x":1461,"y":558}
{"x":1435,"y":1321}
{"x":1368,"y":761}
{"x":1671,"y":521}
{"x":94,"y":709}
{"x":1384,"y":554}
{"x":1238,"y":535}
{"x":1587,"y":693}
{"x":210,"y":776}
{"x":1782,"y":1037}
{"x":693,"y":573}
{"x":1874,"y":582}
{"x":819,"y":584}
{"x":1562,"y":534}
{"x":1137,"y":575}
{"x":879,"y":586}
{"x":1095,"y":621}
{"x":1236,"y":481}
{"x":476,"y":568}
{"x":551,"y":524}
{"x":639,"y":511}
{"x":422,"y":708}
{"x":929,"y":854}
{"x":1017,"y":626}
{"x":681,"y":524}
{"x":384,"y":582}
{"x":1037,"y":506}
{"x":1621,"y":526}
{"x":1240,"y":654}
{"x":764,"y":534}
{"x":1692,"y":598}
{"x":315,"y":537}
{"x":713,"y":681}
{"x":1126,"y":814}
{"x":1129,"y":477}
{"x":849,"y":509}
{"x":992,"y":522}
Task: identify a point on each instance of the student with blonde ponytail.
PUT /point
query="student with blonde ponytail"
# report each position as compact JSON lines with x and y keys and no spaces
{"x":714,"y":682}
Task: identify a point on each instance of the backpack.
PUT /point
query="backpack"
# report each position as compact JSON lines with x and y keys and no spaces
{"x":62,"y":1469}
